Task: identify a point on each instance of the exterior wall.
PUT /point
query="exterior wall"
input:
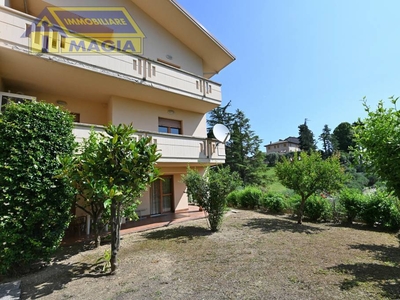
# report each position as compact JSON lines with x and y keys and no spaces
{"x":192,"y":92}
{"x":282,"y":147}
{"x":158,"y":42}
{"x":180,"y":196}
{"x":91,"y":112}
{"x":179,"y":188}
{"x":294,"y":148}
{"x":144,"y":116}
{"x":144,"y":208}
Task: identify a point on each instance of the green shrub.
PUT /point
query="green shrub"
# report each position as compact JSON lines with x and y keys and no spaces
{"x":211,"y":191}
{"x":293,"y":203}
{"x":250,"y":197}
{"x":272,"y":159}
{"x":233,"y":199}
{"x":274,"y":203}
{"x":382,"y":209}
{"x":353,"y":202}
{"x":317,"y":207}
{"x":34,"y":204}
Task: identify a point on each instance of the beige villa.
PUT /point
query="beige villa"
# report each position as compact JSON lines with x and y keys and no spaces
{"x":143,"y":62}
{"x":290,"y":144}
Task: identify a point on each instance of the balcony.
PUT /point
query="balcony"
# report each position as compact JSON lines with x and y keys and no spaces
{"x":156,"y":82}
{"x":174,"y":149}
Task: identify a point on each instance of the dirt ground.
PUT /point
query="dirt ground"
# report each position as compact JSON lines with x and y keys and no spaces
{"x":254,"y":256}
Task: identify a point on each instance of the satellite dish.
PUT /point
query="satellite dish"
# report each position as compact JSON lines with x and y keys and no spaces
{"x":221,"y":133}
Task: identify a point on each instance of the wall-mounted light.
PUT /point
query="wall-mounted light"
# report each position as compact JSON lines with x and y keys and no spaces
{"x":171,"y":112}
{"x":61,"y":102}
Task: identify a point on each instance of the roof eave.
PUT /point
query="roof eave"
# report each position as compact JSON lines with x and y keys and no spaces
{"x":176,"y":20}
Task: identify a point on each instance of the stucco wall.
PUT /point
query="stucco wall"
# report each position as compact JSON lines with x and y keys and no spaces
{"x":144,"y":116}
{"x":91,"y":112}
{"x":180,"y":196}
{"x":158,"y":42}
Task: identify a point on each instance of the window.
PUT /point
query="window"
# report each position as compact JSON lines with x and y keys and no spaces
{"x":77,"y":117}
{"x":169,"y":126}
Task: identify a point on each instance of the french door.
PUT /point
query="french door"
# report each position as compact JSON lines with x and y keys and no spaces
{"x":161,"y":199}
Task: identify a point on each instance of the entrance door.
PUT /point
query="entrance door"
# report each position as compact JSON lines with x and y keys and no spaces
{"x":162,"y":196}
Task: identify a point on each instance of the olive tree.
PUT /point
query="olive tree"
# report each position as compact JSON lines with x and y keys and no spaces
{"x":308,"y":174}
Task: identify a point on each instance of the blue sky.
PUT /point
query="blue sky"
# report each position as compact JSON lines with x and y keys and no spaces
{"x":298,"y":59}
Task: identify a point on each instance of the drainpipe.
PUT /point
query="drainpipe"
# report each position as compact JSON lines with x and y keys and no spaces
{"x":26,"y":6}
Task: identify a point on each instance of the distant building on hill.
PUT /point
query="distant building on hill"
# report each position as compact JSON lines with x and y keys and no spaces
{"x":290,"y":144}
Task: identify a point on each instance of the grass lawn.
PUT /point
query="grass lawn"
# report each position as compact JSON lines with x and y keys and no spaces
{"x":254,"y":256}
{"x":275,"y":185}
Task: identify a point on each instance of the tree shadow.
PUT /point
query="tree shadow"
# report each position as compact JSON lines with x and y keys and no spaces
{"x":179,"y":232}
{"x":67,"y":251}
{"x":384,"y":276}
{"x":280,"y":224}
{"x":55,"y":277}
{"x":360,"y":226}
{"x":386,"y":254}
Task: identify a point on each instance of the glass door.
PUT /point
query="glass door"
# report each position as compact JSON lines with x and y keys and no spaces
{"x":161,"y":195}
{"x":155,"y":198}
{"x":167,"y":194}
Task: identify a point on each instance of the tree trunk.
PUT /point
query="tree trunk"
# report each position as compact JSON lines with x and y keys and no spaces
{"x":115,"y":231}
{"x":301,"y":211}
{"x":96,"y":232}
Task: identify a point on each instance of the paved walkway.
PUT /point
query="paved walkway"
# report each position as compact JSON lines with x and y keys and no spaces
{"x":10,"y":290}
{"x":148,"y":223}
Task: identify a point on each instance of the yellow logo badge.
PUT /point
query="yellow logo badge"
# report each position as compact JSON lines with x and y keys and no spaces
{"x":85,"y":30}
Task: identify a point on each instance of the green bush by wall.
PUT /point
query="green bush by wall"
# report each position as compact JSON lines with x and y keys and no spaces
{"x":34,"y":204}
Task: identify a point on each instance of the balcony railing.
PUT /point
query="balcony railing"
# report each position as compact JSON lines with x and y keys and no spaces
{"x":126,"y":66}
{"x":173,"y":148}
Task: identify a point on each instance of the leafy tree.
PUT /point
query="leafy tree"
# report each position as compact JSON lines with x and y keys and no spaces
{"x":327,"y":141}
{"x":356,"y":180}
{"x":378,"y":143}
{"x":118,"y":170}
{"x":128,"y":166}
{"x":306,"y":138}
{"x":242,"y":150}
{"x":91,"y":189}
{"x":272,"y":158}
{"x":211,"y":190}
{"x":34,"y":204}
{"x":308,"y":174}
{"x":343,"y":135}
